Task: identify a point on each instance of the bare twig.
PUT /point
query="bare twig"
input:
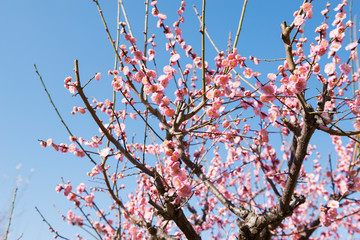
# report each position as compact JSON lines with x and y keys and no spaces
{"x":206,"y":32}
{"x":11,"y":214}
{"x":203,"y":50}
{"x":240,"y":24}
{"x":58,"y":113}
{"x":50,"y":227}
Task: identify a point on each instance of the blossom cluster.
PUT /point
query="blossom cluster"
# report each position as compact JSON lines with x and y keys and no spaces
{"x":198,"y":131}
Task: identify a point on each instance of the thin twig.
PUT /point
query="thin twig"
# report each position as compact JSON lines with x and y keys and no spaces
{"x":240,"y":24}
{"x":11,"y":214}
{"x":203,"y":50}
{"x":206,"y":32}
{"x":50,"y":227}
{"x":58,"y":113}
{"x":51,"y":101}
{"x":126,"y":18}
{"x":146,"y":26}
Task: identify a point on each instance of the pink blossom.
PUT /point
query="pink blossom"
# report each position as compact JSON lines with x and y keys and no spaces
{"x":307,"y":7}
{"x":184,"y":190}
{"x":217,"y":104}
{"x":156,"y":98}
{"x":169,"y":35}
{"x":345,"y":68}
{"x":59,"y":187}
{"x":333,"y":204}
{"x":127,"y":37}
{"x":299,"y":20}
{"x":126,"y":70}
{"x":151,"y":53}
{"x":233,"y":63}
{"x":81,"y":188}
{"x":175,"y":156}
{"x":89,"y":199}
{"x":96,"y":170}
{"x":269,"y":90}
{"x":162,"y":16}
{"x":97,"y":76}
{"x":70,"y":216}
{"x":72,"y":147}
{"x":178,"y":31}
{"x":71,"y":197}
{"x":351,"y":46}
{"x":175,"y":57}
{"x":49,"y":142}
{"x":104,"y":152}
{"x":139,"y":55}
{"x":332,"y":213}
{"x":316,"y":68}
{"x":300,"y":85}
{"x":132,"y":115}
{"x":55,"y":146}
{"x":139,"y":76}
{"x":222,"y":80}
{"x":212,"y":113}
{"x":324,"y":219}
{"x":81,"y":110}
{"x":72,"y":138}
{"x":271,"y":76}
{"x":119,"y":130}
{"x":165,"y":101}
{"x":329,"y":69}
{"x":248,"y":73}
{"x":169,"y":112}
{"x":63,"y":148}
{"x":335,"y":46}
{"x":67,"y":189}
{"x":79,"y":153}
{"x":43,"y":143}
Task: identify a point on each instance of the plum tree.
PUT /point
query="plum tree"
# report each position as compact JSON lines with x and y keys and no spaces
{"x":223,"y":143}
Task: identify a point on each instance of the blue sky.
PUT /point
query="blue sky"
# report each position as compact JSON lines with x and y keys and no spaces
{"x":52,"y":34}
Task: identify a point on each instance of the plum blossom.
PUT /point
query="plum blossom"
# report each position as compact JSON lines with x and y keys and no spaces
{"x":351,"y":46}
{"x":169,"y":112}
{"x":174,"y":58}
{"x":345,"y":68}
{"x":96,"y":170}
{"x":269,"y":90}
{"x":300,"y":85}
{"x":329,"y":69}
{"x":81,"y":188}
{"x":139,"y":55}
{"x":89,"y":199}
{"x":333,"y":204}
{"x":97,"y":76}
{"x":104,"y":152}
{"x":248,"y":73}
{"x":212,"y":113}
{"x":299,"y":20}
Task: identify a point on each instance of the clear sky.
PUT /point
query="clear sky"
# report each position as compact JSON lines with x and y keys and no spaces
{"x":52,"y":34}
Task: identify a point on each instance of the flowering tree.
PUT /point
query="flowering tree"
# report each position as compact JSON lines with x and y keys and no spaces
{"x":205,"y":164}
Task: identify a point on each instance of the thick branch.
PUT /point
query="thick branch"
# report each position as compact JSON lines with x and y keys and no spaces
{"x":157,"y":233}
{"x":298,"y":153}
{"x":285,"y":36}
